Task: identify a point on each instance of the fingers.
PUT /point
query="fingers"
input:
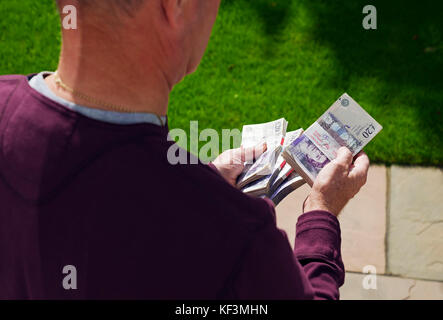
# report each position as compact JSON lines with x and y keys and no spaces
{"x":360,"y":168}
{"x":252,"y":153}
{"x":361,"y":160}
{"x":344,"y":158}
{"x":338,"y":182}
{"x":245,"y":154}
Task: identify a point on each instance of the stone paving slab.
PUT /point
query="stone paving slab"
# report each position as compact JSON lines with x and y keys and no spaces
{"x":363,"y":225}
{"x":390,"y":288}
{"x":415,"y":235}
{"x":363,"y":222}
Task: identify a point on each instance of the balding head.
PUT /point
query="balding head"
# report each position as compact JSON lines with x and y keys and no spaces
{"x":131,"y":53}
{"x":123,"y":6}
{"x":172,"y":33}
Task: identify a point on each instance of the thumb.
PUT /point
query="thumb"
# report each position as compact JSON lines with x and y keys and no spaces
{"x":252,"y":153}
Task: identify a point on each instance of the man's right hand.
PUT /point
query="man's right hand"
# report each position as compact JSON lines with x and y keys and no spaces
{"x":338,"y":182}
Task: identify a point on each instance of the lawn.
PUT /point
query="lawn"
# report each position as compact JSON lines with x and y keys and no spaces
{"x":270,"y":59}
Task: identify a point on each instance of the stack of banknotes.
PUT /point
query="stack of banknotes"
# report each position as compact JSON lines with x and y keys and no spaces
{"x":265,"y":175}
{"x":293,"y":158}
{"x":271,"y":133}
{"x":345,"y":123}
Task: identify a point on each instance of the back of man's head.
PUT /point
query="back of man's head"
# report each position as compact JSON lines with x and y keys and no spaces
{"x":120,"y":6}
{"x":175,"y":33}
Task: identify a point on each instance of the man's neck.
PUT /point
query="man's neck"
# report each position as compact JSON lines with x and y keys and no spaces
{"x":109,"y":77}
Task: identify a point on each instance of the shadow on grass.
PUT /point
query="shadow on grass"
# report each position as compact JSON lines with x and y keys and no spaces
{"x":404,"y":54}
{"x":400,"y":64}
{"x":274,"y":15}
{"x":407,"y":47}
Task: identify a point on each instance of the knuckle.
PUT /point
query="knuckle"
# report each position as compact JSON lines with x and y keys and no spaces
{"x":340,"y":166}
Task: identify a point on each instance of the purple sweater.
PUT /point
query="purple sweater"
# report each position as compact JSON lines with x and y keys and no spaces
{"x":104,"y":199}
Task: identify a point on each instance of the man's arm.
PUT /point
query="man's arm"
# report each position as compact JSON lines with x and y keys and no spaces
{"x":317,"y":248}
{"x":270,"y":270}
{"x":318,"y":241}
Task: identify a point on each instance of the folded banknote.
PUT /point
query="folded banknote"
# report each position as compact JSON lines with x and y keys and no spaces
{"x":258,"y":188}
{"x":281,"y":164}
{"x":292,"y":183}
{"x":262,"y":167}
{"x":281,"y":177}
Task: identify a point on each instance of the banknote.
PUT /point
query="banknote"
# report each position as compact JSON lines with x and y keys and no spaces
{"x":261,"y":167}
{"x":281,"y":177}
{"x":281,"y":165}
{"x":304,"y":156}
{"x":273,"y":134}
{"x":291,"y":136}
{"x":293,"y":182}
{"x":345,"y":123}
{"x":264,"y":183}
{"x":259,"y":187}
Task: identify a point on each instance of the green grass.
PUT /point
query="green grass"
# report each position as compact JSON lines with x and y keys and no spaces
{"x":270,"y":59}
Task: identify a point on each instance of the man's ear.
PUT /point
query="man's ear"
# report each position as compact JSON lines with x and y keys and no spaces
{"x":173,"y":11}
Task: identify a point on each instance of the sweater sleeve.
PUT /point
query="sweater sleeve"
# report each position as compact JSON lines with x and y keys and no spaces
{"x":317,"y":248}
{"x":271,"y":270}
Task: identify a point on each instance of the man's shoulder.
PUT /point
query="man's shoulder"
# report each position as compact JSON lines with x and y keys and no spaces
{"x":11,"y":81}
{"x":8,"y":83}
{"x":11,"y":77}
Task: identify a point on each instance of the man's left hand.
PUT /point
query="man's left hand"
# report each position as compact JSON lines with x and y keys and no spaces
{"x":230,"y":163}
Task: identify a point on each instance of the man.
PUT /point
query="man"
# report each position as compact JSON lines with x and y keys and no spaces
{"x":92,"y":209}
